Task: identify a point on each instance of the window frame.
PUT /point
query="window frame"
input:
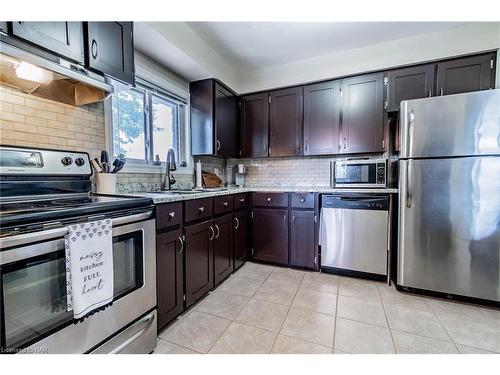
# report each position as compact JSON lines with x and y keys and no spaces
{"x":147,"y":165}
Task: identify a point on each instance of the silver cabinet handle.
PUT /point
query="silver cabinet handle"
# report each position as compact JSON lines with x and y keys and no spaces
{"x":269,"y":199}
{"x":429,"y":93}
{"x":182,"y":245}
{"x":212,"y":233}
{"x":171,"y":214}
{"x":218,"y":231}
{"x":441,"y":91}
{"x":284,"y":217}
{"x":237,"y":223}
{"x":201,"y":209}
{"x":225,"y":204}
{"x":242,"y":200}
{"x":302,"y":200}
{"x":409,"y":183}
{"x":293,"y":219}
{"x":217,"y":144}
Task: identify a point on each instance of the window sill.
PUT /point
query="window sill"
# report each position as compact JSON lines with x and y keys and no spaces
{"x":154,"y":169}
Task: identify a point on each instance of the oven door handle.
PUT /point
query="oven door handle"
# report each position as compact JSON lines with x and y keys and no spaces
{"x":49,"y":234}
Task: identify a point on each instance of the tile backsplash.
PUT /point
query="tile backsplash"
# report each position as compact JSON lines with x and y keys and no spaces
{"x":26,"y":120}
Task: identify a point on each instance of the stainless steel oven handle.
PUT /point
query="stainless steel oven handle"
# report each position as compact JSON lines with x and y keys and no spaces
{"x":147,"y":321}
{"x":60,"y":232}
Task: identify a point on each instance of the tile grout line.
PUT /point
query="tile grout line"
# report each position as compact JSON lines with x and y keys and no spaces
{"x":232,"y":320}
{"x":444,"y":328}
{"x":336,"y":315}
{"x":286,"y":315}
{"x":182,"y":346}
{"x":387,"y":320}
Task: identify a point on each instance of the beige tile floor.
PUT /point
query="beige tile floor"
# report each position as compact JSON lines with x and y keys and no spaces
{"x":266,"y":309}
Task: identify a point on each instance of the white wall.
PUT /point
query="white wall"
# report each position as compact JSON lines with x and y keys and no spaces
{"x":462,"y":40}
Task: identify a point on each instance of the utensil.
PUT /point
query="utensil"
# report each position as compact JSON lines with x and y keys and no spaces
{"x":105,"y":161}
{"x":96,"y":165}
{"x":119,"y":166}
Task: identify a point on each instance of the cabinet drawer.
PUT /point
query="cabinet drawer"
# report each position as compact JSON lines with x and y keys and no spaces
{"x":168,"y":215}
{"x":302,"y":200}
{"x":198,"y":209}
{"x":240,"y":201}
{"x":223,"y":204}
{"x":270,"y":199}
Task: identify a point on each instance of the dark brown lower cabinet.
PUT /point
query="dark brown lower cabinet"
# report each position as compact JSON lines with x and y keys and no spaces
{"x":270,"y":235}
{"x":199,"y":257}
{"x":169,"y":263}
{"x":240,"y":237}
{"x":223,"y":247}
{"x":303,"y":250}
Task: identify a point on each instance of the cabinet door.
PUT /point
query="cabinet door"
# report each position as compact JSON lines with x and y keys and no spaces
{"x":170,"y":276}
{"x":270,"y":235}
{"x":110,"y":49}
{"x":254,"y":125}
{"x":410,"y":83}
{"x":240,"y":237}
{"x":63,"y":38}
{"x":226,"y":132}
{"x":466,"y":74}
{"x":362,"y":124}
{"x":199,"y":262}
{"x":321,"y":118}
{"x":223,"y":247}
{"x":303,"y":251}
{"x":285,"y":126}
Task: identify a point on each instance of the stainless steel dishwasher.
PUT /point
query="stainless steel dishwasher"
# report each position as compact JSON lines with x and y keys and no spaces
{"x":354,"y":234}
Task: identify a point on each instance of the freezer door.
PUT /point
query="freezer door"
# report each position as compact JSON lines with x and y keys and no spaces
{"x":452,"y":125}
{"x":449,"y":226}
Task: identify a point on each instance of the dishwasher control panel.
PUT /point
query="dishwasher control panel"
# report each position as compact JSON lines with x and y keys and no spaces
{"x":356,"y":201}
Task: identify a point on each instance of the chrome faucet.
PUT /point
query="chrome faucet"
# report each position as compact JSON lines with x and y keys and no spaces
{"x":169,"y":180}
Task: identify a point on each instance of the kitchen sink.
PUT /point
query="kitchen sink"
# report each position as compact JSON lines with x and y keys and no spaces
{"x":175,"y":192}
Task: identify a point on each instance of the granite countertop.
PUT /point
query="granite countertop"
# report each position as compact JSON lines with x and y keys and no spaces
{"x":164,"y":197}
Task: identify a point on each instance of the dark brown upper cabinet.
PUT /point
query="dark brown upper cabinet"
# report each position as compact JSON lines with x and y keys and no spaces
{"x":409,"y":83}
{"x":214,"y":126}
{"x":255,"y":125}
{"x":362,"y":119}
{"x":199,"y":260}
{"x":170,"y":276}
{"x":62,"y":38}
{"x":303,"y":249}
{"x":466,"y":74}
{"x":223,"y":247}
{"x":321,"y":118}
{"x":110,"y":49}
{"x":270,"y":235}
{"x":240,"y":237}
{"x":285,"y":126}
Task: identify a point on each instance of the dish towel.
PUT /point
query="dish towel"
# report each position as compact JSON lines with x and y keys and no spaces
{"x":89,"y":267}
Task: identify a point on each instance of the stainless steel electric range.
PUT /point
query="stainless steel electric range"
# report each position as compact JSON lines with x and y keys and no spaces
{"x":41,"y":193}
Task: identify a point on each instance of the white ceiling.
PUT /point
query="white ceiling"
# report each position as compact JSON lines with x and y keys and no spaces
{"x":256,"y":45}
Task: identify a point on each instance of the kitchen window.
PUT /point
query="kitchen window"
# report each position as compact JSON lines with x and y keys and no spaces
{"x":145,"y":124}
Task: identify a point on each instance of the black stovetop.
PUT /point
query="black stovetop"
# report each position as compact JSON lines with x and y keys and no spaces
{"x":35,"y":211}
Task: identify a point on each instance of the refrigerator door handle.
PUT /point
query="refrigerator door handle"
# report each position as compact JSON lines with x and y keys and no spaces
{"x":411,"y":123}
{"x":409,"y":184}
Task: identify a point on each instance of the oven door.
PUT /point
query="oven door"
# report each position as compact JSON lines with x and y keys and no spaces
{"x":33,"y":292}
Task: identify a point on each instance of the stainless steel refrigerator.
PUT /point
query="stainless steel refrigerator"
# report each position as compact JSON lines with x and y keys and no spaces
{"x":449,"y":195}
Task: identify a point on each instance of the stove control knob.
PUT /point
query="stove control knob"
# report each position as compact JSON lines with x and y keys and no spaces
{"x":66,"y":160}
{"x":79,"y":161}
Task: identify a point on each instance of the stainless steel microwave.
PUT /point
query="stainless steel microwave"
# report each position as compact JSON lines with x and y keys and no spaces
{"x":360,"y":173}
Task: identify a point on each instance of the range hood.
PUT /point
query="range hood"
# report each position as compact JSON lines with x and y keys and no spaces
{"x":58,"y":80}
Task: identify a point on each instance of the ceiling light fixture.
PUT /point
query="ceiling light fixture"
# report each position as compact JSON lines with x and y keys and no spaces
{"x":33,"y":73}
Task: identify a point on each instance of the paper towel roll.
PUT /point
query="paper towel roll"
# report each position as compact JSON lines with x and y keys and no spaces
{"x":198,"y":174}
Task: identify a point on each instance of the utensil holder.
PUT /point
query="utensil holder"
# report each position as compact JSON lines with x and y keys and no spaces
{"x":106,"y":183}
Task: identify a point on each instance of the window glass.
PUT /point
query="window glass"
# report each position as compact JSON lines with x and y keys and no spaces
{"x":164,"y":127}
{"x":129,"y":127}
